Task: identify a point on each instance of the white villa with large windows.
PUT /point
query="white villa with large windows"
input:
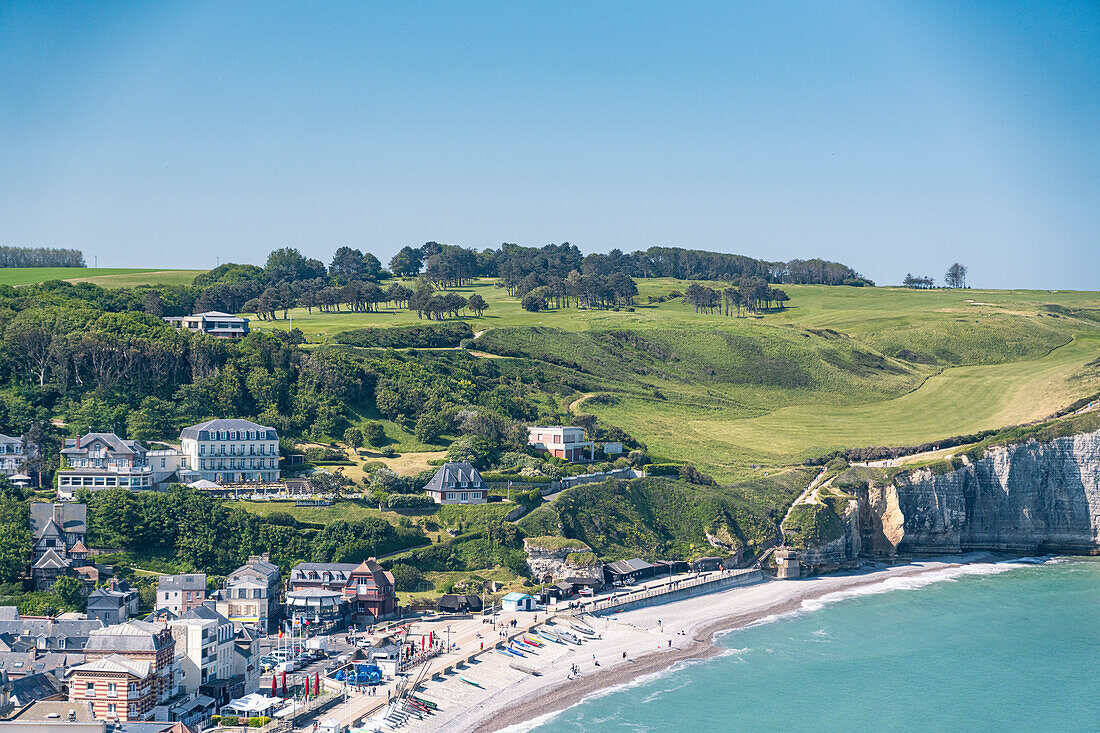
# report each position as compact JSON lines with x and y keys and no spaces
{"x":229,"y":452}
{"x":102,"y":461}
{"x":12,"y":455}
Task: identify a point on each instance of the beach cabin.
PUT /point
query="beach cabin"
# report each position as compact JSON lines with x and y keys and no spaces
{"x":518,"y":602}
{"x":332,"y":725}
{"x":625,"y":572}
{"x":455,"y":603}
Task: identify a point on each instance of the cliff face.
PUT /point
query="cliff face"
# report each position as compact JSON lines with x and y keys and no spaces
{"x":1031,"y":497}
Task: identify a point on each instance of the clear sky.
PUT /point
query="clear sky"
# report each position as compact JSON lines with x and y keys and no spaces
{"x":893,"y":137}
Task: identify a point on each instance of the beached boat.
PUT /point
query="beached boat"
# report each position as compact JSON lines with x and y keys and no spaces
{"x":470,"y":682}
{"x":569,"y":637}
{"x":583,"y":629}
{"x":425,"y":702}
{"x":525,"y":669}
{"x":531,"y":640}
{"x":549,"y":636}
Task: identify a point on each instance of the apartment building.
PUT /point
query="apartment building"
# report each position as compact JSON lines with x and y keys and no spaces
{"x":180,"y":593}
{"x":561,"y":441}
{"x":229,"y":451}
{"x":250,"y":596}
{"x":117,"y":687}
{"x":140,"y":641}
{"x":101,"y":461}
{"x":212,"y":323}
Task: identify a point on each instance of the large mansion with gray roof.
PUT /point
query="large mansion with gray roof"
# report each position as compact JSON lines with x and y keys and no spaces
{"x":229,"y":451}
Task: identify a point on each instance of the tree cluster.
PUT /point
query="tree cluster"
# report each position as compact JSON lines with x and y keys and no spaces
{"x":40,"y":257}
{"x":754,"y":295}
{"x":918,"y":282}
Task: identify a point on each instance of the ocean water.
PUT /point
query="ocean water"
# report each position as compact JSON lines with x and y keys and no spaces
{"x":1005,"y":647}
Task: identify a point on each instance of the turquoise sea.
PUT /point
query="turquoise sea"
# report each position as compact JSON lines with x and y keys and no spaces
{"x":1005,"y":647}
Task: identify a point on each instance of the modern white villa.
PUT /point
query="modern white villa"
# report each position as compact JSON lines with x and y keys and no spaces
{"x":561,"y":441}
{"x":212,"y":323}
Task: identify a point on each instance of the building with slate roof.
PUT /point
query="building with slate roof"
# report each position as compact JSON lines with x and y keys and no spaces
{"x":100,"y":461}
{"x":118,"y":687}
{"x":60,"y":635}
{"x":457,"y":483}
{"x":229,"y":452}
{"x":140,"y":641}
{"x":35,"y":687}
{"x":367,"y":590}
{"x":628,"y":571}
{"x":113,"y":604}
{"x":12,"y":455}
{"x":250,"y":595}
{"x":58,"y":531}
{"x":180,"y":593}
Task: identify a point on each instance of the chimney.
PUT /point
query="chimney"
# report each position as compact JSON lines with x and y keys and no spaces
{"x":58,"y":510}
{"x":78,"y":441}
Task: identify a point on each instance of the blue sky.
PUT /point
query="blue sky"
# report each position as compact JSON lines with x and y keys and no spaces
{"x":894,"y":137}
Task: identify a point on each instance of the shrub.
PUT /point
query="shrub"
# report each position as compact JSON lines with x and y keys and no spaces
{"x":661,"y":469}
{"x":353,"y":437}
{"x":406,"y":577}
{"x":373,"y":433}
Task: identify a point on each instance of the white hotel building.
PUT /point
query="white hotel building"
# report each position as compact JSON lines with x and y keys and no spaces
{"x":229,"y":452}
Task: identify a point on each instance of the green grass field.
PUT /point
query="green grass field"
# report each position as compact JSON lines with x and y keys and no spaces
{"x":105,"y":276}
{"x":839,"y":367}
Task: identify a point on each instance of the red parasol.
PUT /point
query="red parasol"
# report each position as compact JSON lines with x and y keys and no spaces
{"x":316,"y":683}
{"x":284,"y":684}
{"x":274,"y":692}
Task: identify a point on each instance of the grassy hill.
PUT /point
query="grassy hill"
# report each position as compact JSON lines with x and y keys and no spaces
{"x":107,"y":277}
{"x":839,"y":367}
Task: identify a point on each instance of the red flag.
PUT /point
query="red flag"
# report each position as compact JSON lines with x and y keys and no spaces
{"x":316,"y":683}
{"x":274,"y":693}
{"x":284,"y":684}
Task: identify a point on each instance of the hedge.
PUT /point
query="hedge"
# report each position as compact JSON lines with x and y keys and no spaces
{"x":661,"y":469}
{"x":429,"y":335}
{"x":515,"y":478}
{"x":410,"y":501}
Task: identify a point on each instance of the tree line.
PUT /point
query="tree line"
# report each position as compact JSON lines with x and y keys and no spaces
{"x":40,"y":257}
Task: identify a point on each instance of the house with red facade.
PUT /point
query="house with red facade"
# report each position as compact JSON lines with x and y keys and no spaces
{"x":140,"y":641}
{"x":117,"y":687}
{"x":366,"y":588}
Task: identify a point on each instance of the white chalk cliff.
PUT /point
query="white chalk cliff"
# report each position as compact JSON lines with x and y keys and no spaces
{"x":1030,"y":497}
